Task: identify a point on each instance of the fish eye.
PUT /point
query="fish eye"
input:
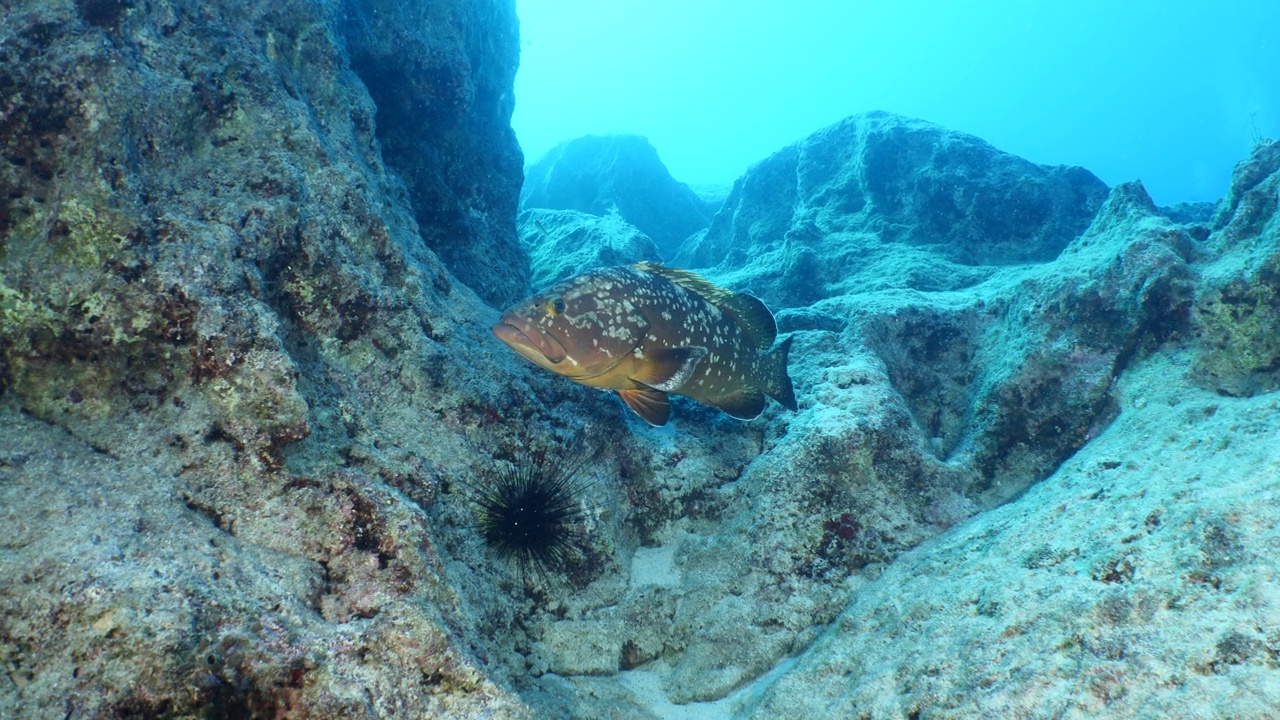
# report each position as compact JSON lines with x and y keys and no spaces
{"x":554,"y":306}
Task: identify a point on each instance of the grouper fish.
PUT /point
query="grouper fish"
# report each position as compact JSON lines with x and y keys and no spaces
{"x":646,"y":330}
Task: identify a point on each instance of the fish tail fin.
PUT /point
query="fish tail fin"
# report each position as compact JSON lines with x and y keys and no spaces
{"x":777,"y":383}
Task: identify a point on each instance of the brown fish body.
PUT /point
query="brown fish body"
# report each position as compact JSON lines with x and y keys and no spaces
{"x":646,"y":330}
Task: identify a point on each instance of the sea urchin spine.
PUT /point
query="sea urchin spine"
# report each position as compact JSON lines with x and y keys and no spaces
{"x":531,"y":513}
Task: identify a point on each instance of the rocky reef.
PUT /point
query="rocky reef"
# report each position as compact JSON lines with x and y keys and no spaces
{"x":946,"y":399}
{"x":564,"y":243}
{"x":225,"y":329}
{"x":250,"y":255}
{"x":617,"y":174}
{"x":844,"y":209}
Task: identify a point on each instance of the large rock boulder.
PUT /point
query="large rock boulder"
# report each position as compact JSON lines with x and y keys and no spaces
{"x":1122,"y":585}
{"x":603,"y":174}
{"x":564,"y":243}
{"x":879,"y":199}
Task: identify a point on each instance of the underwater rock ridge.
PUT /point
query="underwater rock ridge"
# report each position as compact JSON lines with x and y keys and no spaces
{"x":617,"y":174}
{"x":931,"y":390}
{"x":804,"y":223}
{"x":1160,"y":323}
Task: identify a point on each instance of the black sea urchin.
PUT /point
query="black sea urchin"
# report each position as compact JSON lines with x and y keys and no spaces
{"x":531,"y":513}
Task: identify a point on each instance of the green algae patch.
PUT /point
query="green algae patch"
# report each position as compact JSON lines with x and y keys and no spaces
{"x":1240,"y":325}
{"x":20,"y":314}
{"x":85,"y":236}
{"x":75,"y":233}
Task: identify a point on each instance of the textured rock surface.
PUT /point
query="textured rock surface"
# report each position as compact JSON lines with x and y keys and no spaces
{"x":921,"y":410}
{"x":617,"y":173}
{"x":241,"y":391}
{"x":224,"y":348}
{"x":440,"y":76}
{"x":1237,"y":309}
{"x":840,"y":210}
{"x":564,"y":243}
{"x":1139,"y":581}
{"x":121,"y":600}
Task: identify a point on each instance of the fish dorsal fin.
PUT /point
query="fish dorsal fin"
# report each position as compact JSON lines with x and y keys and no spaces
{"x":750,"y":314}
{"x":690,"y":281}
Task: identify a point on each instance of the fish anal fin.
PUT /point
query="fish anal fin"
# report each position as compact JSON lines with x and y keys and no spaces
{"x":745,"y":404}
{"x":668,"y":369}
{"x":650,"y":404}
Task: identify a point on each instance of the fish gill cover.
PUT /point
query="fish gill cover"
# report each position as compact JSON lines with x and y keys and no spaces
{"x":250,"y":255}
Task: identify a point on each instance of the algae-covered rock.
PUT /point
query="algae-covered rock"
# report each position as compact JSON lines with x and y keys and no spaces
{"x":122,"y":600}
{"x":230,"y":361}
{"x":1237,"y":309}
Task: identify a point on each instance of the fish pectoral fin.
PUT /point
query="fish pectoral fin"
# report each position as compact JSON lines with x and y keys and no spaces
{"x":745,"y":404}
{"x":669,"y":369}
{"x":650,"y":404}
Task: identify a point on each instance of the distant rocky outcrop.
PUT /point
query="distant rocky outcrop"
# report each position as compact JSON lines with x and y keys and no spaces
{"x":603,"y":174}
{"x":880,"y":200}
{"x":564,"y":243}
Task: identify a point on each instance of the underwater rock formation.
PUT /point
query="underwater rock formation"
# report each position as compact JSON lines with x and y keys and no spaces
{"x":1126,"y":584}
{"x":920,"y":410}
{"x":440,"y":76}
{"x":247,"y":261}
{"x":1237,"y":306}
{"x":224,"y":349}
{"x":842,"y":209}
{"x":1110,"y":587}
{"x":564,"y":243}
{"x":603,"y":174}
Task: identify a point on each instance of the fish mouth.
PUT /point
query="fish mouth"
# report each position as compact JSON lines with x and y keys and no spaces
{"x":527,"y":340}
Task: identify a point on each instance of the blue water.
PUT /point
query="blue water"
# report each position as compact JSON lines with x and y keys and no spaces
{"x":1171,"y":93}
